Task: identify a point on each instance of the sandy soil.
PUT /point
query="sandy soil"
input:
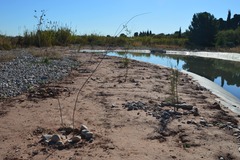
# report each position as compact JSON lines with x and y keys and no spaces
{"x":119,"y":133}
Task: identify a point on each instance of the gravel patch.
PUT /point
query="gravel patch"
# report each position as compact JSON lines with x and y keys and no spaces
{"x":26,"y":71}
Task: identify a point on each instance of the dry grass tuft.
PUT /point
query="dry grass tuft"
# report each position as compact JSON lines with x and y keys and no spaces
{"x":7,"y":57}
{"x":46,"y":53}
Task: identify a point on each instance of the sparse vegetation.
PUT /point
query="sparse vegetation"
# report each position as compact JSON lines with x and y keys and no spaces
{"x":7,"y":57}
{"x":174,"y":85}
{"x":174,"y":78}
{"x":45,"y":53}
{"x":223,"y":36}
{"x":7,"y":42}
{"x":125,"y":62}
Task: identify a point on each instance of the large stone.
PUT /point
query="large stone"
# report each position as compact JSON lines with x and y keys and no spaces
{"x":87,"y":134}
{"x":215,"y":106}
{"x":76,"y":139}
{"x":55,"y":138}
{"x":184,"y":106}
{"x":236,"y":130}
{"x":60,"y":143}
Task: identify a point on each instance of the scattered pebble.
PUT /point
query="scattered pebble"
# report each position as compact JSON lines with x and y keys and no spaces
{"x":134,"y":106}
{"x":203,"y":122}
{"x":60,"y":142}
{"x":221,"y":158}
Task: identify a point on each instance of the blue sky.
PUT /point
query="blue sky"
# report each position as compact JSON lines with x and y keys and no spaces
{"x":105,"y":16}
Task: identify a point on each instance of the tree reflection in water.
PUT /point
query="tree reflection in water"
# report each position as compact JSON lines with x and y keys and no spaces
{"x":212,"y":69}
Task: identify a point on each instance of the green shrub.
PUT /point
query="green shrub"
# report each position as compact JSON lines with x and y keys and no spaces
{"x":228,"y":38}
{"x":5,"y":43}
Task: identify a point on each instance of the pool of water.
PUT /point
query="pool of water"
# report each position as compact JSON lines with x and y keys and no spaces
{"x":224,"y":73}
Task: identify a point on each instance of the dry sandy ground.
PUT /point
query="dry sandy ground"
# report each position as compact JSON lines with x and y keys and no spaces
{"x":119,"y":133}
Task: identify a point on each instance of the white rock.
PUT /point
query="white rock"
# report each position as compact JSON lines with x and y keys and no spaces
{"x":230,"y":127}
{"x":84,"y":131}
{"x":221,"y":158}
{"x":83,"y":127}
{"x":235,"y":134}
{"x":46,"y":137}
{"x":210,"y":125}
{"x":235,"y":130}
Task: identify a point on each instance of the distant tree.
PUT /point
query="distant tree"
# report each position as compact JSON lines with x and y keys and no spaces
{"x":229,"y":19}
{"x":180,"y":33}
{"x":221,"y":24}
{"x":235,"y":21}
{"x":141,"y":34}
{"x":136,"y":34}
{"x":122,"y":35}
{"x":147,"y":33}
{"x":202,"y":30}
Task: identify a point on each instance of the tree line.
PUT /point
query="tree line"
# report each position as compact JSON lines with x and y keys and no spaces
{"x":205,"y":31}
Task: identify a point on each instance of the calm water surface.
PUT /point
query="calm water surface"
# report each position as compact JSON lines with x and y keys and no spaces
{"x":224,"y":73}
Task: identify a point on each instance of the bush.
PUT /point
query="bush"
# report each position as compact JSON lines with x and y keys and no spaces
{"x":62,"y":36}
{"x":5,"y":43}
{"x":228,"y":38}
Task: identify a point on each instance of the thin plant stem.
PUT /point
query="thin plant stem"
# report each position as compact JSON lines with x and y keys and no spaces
{"x":60,"y":109}
{"x":80,"y":89}
{"x":103,"y":57}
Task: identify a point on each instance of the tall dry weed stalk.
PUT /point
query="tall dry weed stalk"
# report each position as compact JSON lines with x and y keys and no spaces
{"x":124,"y":27}
{"x":40,"y":20}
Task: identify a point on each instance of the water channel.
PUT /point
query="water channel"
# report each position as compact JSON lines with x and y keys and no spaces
{"x":224,"y":73}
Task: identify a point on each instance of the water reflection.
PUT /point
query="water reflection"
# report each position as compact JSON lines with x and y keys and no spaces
{"x":212,"y":68}
{"x":225,"y":73}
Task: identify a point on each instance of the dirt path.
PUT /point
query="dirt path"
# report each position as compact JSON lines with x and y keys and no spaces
{"x":119,"y":133}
